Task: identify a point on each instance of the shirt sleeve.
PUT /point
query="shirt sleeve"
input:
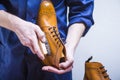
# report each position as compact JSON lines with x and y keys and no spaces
{"x":2,"y":7}
{"x":80,"y":11}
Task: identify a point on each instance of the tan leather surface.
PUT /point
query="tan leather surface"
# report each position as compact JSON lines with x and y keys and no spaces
{"x":95,"y":71}
{"x":48,"y":23}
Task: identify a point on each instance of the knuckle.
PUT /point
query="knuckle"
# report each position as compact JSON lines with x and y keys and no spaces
{"x":26,"y":43}
{"x":37,"y":28}
{"x":31,"y":39}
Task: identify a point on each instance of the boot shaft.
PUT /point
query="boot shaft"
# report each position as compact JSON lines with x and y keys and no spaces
{"x":95,"y":71}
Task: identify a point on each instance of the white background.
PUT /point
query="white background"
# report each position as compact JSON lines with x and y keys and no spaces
{"x":102,"y":41}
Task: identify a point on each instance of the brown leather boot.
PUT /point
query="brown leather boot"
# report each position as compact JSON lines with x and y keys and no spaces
{"x":95,"y":71}
{"x":48,"y":23}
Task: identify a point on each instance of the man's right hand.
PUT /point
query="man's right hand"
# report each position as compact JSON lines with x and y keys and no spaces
{"x":28,"y":33}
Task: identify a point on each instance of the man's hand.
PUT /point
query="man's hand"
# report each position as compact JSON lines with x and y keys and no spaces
{"x":27,"y":32}
{"x":74,"y":34}
{"x":64,"y":66}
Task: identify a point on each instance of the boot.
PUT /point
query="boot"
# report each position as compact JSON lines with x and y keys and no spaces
{"x":95,"y":71}
{"x":53,"y":49}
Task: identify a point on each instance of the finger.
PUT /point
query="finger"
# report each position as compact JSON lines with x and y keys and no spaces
{"x":40,"y":34}
{"x":66,"y":64}
{"x":36,"y":47}
{"x":55,"y":70}
{"x":27,"y":42}
{"x":31,"y":48}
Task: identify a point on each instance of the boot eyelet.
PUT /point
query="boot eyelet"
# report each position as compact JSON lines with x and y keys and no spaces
{"x":104,"y":71}
{"x":101,"y":67}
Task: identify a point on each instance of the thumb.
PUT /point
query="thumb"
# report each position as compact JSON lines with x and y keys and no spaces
{"x":66,"y":64}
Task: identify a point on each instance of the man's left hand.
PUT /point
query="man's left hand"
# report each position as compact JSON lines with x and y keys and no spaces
{"x":64,"y":66}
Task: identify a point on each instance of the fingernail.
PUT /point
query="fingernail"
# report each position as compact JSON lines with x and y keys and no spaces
{"x":44,"y":39}
{"x":41,"y":57}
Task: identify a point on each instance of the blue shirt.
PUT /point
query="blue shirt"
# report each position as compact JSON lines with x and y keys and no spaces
{"x":79,"y":11}
{"x":13,"y":60}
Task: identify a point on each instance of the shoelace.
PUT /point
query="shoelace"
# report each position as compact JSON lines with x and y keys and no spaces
{"x":55,"y":35}
{"x":107,"y":76}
